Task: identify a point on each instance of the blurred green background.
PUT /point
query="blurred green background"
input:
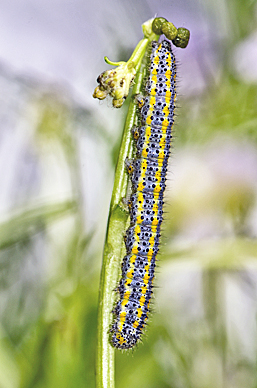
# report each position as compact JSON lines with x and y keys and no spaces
{"x":58,"y":153}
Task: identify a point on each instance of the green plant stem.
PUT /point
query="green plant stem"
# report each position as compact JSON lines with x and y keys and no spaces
{"x":118,"y":217}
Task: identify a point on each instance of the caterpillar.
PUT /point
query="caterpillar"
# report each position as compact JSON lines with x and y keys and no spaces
{"x":148,"y":175}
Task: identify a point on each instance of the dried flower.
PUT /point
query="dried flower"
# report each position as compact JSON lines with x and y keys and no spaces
{"x":116,"y":82}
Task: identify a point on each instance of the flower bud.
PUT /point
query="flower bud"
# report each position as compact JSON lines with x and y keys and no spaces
{"x":169,"y":30}
{"x":182,"y":38}
{"x":157,"y":25}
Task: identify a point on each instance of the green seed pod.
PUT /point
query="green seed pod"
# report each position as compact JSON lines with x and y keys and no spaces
{"x":157,"y":25}
{"x":169,"y":30}
{"x":182,"y":38}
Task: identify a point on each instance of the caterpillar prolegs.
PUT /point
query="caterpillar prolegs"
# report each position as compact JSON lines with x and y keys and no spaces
{"x":148,"y":175}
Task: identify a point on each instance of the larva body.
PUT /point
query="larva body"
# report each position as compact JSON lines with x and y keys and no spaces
{"x":148,"y":175}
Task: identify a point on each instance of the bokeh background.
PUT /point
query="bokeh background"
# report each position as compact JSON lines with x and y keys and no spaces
{"x":58,"y":149}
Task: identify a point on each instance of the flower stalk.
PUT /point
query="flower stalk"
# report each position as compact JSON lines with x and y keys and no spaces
{"x":118,"y":217}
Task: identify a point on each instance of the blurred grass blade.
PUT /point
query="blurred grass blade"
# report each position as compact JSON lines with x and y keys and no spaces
{"x":30,"y":221}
